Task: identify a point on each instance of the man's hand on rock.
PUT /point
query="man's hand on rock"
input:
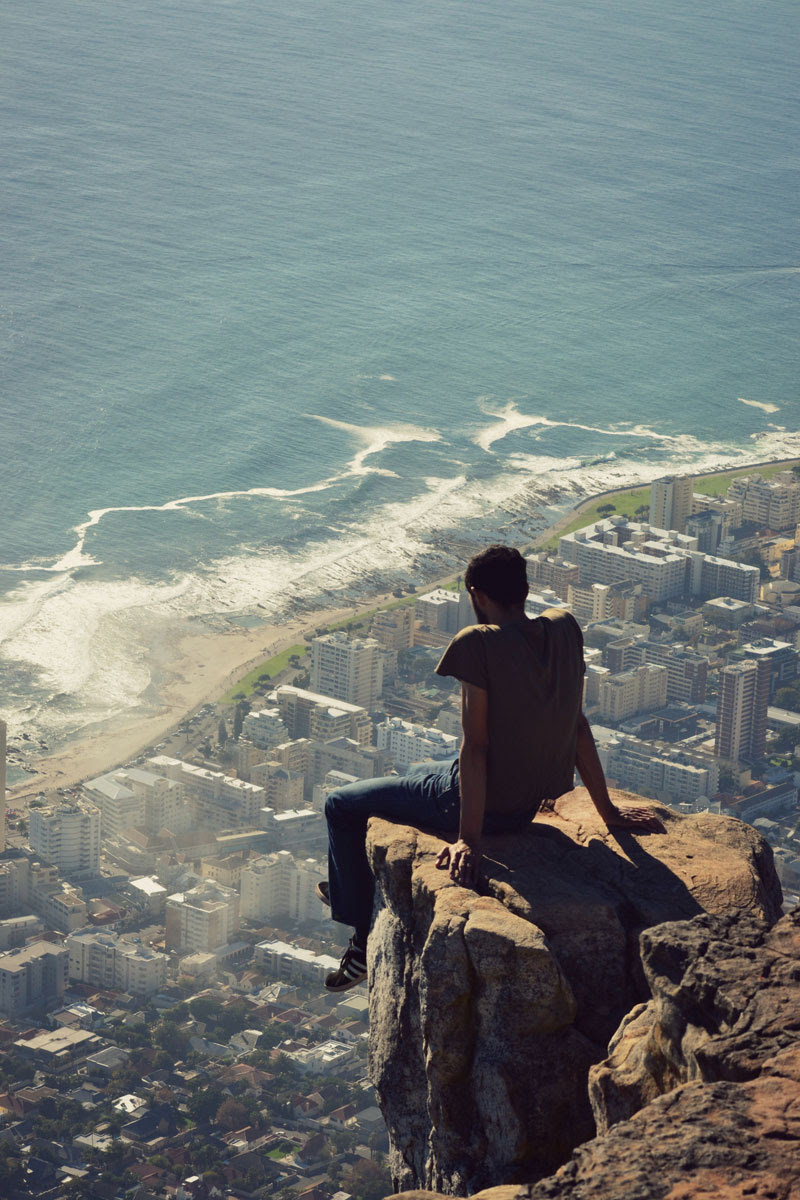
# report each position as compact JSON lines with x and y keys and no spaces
{"x":637,"y":820}
{"x":463,"y":860}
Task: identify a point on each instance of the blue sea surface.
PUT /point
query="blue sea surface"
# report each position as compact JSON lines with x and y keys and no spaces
{"x":299,"y":300}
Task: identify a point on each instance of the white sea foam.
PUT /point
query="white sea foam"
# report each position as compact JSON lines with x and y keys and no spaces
{"x":91,"y":641}
{"x":508,"y":419}
{"x":767,"y":408}
{"x":374,"y":439}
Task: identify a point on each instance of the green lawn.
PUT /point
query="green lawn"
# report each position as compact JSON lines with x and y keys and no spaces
{"x":625,"y":505}
{"x":717,"y":485}
{"x":271,"y":667}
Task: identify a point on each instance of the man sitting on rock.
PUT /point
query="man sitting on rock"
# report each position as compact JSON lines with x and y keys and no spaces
{"x":524,"y":733}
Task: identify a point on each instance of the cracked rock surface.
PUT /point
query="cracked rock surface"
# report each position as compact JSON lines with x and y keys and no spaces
{"x":725,"y":1001}
{"x":487,"y":1011}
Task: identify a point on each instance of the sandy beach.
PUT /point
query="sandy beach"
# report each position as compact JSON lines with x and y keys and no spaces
{"x":207,"y":665}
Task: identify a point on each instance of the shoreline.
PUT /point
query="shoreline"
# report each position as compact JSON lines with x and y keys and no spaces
{"x":208,"y":665}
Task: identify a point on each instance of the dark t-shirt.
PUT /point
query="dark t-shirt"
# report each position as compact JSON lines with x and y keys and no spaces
{"x":533,"y":672}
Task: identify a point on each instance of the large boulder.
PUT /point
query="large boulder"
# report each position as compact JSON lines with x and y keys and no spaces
{"x":726,"y":1141}
{"x":725,"y":1000}
{"x":487,"y":1010}
{"x":730,"y":1141}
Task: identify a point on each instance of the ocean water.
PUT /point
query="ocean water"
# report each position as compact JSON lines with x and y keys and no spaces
{"x":302,"y":300}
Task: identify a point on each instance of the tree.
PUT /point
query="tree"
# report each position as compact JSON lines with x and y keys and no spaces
{"x":642,"y":512}
{"x":222,"y":732}
{"x":170,"y":1037}
{"x":204,"y":1103}
{"x":604,"y":509}
{"x":367,"y":1180}
{"x":788,"y":697}
{"x":232,"y":1115}
{"x":787,"y":739}
{"x":728,"y":780}
{"x":238,"y":721}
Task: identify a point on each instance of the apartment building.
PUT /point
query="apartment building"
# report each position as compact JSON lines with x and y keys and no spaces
{"x":742,"y":702}
{"x":618,"y":551}
{"x":781,"y":656}
{"x":67,"y":835}
{"x":297,"y":830}
{"x":106,"y":960}
{"x":349,"y":669}
{"x":394,"y":627}
{"x":280,"y":886}
{"x":665,"y":775}
{"x":687,"y":672}
{"x":345,"y":754}
{"x":632,"y":692}
{"x":444,"y":610}
{"x":545,"y":570}
{"x":671,"y":501}
{"x":265,"y":728}
{"x":770,"y":503}
{"x":708,"y":527}
{"x":120,"y":806}
{"x":27,"y":884}
{"x":283,"y":788}
{"x":311,"y":715}
{"x":215,"y":800}
{"x":201,"y":919}
{"x":31,"y":977}
{"x":729,"y":511}
{"x":293,"y":963}
{"x":667,"y":564}
{"x":606,"y":601}
{"x":407,"y":743}
{"x":710,"y":577}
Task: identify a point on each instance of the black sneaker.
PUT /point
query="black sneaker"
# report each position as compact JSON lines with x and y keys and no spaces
{"x":324,"y":892}
{"x":352,"y":969}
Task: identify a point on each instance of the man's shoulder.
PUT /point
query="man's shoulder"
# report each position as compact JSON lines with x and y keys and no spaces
{"x":561,"y":619}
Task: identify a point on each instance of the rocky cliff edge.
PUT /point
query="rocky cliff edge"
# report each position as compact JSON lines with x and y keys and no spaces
{"x":487,"y":1011}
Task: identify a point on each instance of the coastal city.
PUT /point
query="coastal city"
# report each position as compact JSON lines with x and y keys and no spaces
{"x":165,"y":1031}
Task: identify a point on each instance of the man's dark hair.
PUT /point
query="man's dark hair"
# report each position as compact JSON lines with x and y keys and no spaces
{"x":500,"y":572}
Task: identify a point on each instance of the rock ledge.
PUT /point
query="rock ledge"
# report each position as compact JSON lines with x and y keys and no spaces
{"x":488,"y":1011}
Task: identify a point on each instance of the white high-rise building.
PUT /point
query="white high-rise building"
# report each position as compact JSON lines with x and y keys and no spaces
{"x":280,"y":886}
{"x":394,"y":627}
{"x":310,"y":715}
{"x":215,"y":800}
{"x":407,"y":743}
{"x":265,"y":728}
{"x":120,"y":807}
{"x":667,"y":564}
{"x":67,"y":835}
{"x":282,"y":788}
{"x":201,"y":919}
{"x":632,"y":692}
{"x":349,"y":669}
{"x":742,"y":700}
{"x":774,"y":503}
{"x":671,"y":501}
{"x":31,"y":976}
{"x":105,"y":960}
{"x":445,"y":610}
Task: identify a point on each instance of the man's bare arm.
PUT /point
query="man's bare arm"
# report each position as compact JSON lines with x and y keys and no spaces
{"x":590,"y":770}
{"x":463,"y":859}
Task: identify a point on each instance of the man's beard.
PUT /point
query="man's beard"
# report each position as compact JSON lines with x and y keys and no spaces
{"x":479,"y":612}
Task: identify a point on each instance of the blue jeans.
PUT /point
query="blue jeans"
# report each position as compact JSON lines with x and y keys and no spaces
{"x":427,"y":797}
